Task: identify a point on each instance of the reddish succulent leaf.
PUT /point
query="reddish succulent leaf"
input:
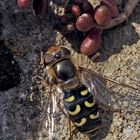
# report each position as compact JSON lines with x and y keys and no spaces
{"x":71,"y":27}
{"x":92,"y":42}
{"x":23,"y":3}
{"x":102,"y":15}
{"x":112,"y":7}
{"x":84,"y":22}
{"x":76,"y":11}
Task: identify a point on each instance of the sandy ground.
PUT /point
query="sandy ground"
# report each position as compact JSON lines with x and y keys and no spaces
{"x":24,"y":35}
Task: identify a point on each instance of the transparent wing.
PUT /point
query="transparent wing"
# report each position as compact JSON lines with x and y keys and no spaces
{"x":111,"y":93}
{"x":50,"y":109}
{"x":54,"y":122}
{"x":51,"y":115}
{"x":120,"y":106}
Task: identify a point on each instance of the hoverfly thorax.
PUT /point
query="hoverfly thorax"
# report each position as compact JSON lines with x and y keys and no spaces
{"x":60,"y":68}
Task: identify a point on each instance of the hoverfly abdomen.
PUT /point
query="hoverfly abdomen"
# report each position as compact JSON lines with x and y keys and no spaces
{"x":82,"y":109}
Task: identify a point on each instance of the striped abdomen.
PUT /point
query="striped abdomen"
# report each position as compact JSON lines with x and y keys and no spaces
{"x":82,"y":109}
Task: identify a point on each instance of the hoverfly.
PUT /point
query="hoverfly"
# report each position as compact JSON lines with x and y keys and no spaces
{"x":74,"y":92}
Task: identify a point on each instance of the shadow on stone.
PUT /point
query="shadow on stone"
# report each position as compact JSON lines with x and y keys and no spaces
{"x":9,"y":69}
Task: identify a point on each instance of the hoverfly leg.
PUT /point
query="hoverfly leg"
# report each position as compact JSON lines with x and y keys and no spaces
{"x":69,"y":123}
{"x":41,"y":58}
{"x":96,"y":57}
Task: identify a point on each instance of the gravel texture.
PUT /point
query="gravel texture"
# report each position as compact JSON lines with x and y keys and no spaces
{"x":22,"y":91}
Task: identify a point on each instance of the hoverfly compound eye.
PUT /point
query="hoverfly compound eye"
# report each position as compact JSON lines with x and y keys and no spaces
{"x":48,"y":58}
{"x":65,"y":51}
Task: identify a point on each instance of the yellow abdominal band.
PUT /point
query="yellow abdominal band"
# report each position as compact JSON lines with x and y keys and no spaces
{"x":76,"y":111}
{"x":87,"y":104}
{"x":85,"y":92}
{"x":70,"y":99}
{"x":82,"y":122}
{"x":92,"y":116}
